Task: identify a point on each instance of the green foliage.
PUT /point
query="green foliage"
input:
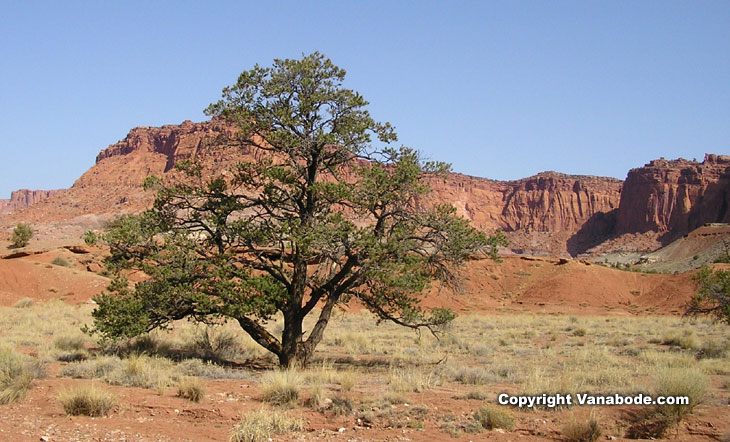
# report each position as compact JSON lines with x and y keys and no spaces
{"x":713,"y":294}
{"x":22,"y":233}
{"x":90,"y":238}
{"x":324,"y":217}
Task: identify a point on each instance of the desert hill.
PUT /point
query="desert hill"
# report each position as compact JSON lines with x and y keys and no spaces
{"x":547,"y":214}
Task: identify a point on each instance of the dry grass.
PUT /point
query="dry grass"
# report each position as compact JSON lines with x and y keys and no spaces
{"x":17,"y":373}
{"x":24,"y":303}
{"x":191,"y":389}
{"x":588,"y":430}
{"x":681,"y":382}
{"x":262,"y":425}
{"x":412,"y":379}
{"x":491,"y":417}
{"x":87,"y":401}
{"x":282,"y":387}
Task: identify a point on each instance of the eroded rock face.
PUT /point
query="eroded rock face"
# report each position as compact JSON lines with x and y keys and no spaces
{"x":675,"y":197}
{"x":550,"y":213}
{"x":24,"y":198}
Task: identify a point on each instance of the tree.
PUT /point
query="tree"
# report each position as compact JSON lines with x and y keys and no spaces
{"x":22,"y":233}
{"x":325,"y":217}
{"x":713,"y":294}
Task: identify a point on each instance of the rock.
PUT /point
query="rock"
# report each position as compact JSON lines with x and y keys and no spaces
{"x":675,"y":197}
{"x":24,"y":198}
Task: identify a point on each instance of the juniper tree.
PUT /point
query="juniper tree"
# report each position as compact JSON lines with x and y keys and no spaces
{"x":330,"y":214}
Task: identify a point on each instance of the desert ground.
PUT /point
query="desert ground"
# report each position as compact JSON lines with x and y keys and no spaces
{"x":528,"y":325}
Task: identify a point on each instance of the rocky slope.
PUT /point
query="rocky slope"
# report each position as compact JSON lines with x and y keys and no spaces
{"x":24,"y":198}
{"x":550,"y":213}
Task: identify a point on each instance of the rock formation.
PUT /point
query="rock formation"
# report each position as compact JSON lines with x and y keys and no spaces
{"x":550,"y":213}
{"x":675,"y":197}
{"x":24,"y":198}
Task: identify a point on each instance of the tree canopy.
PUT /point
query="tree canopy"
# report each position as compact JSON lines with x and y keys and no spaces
{"x":713,"y":294}
{"x":330,"y":213}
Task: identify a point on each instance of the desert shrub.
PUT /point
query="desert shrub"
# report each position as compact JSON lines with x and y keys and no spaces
{"x":579,"y":331}
{"x":681,"y":382}
{"x":191,"y":389}
{"x":713,"y":349}
{"x":148,"y":344}
{"x":471,"y":375}
{"x":92,"y":368}
{"x":281,"y":387}
{"x":21,"y":235}
{"x":87,"y":401}
{"x":198,"y":368}
{"x":491,"y":417}
{"x":261,"y":425}
{"x":59,"y":261}
{"x":582,"y":430}
{"x":90,"y":238}
{"x":685,"y":340}
{"x":17,"y":373}
{"x":341,"y":406}
{"x":136,"y":371}
{"x":69,"y":342}
{"x":24,"y":303}
{"x":215,"y":344}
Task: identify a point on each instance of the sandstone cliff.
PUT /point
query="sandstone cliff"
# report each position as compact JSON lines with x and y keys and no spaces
{"x":675,"y":197}
{"x":550,"y":213}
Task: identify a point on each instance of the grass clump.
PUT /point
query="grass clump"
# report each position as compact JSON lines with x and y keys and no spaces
{"x":282,"y":387}
{"x":685,"y":340}
{"x":16,"y":376}
{"x":261,"y":425}
{"x":59,"y":261}
{"x":411,"y":380}
{"x":70,"y":343}
{"x":24,"y":303}
{"x":582,"y":430}
{"x":87,"y":401}
{"x":491,"y":417}
{"x":681,"y":382}
{"x":191,"y":389}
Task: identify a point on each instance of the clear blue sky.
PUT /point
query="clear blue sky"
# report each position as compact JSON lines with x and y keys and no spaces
{"x":500,"y":89}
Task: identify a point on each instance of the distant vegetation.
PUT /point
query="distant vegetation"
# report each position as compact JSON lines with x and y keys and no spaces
{"x":21,"y":235}
{"x":713,"y":295}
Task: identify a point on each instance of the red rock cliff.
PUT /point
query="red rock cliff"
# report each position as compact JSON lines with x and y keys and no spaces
{"x":24,"y":198}
{"x":675,"y":197}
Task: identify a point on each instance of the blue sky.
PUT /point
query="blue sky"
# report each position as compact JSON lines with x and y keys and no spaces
{"x":500,"y":89}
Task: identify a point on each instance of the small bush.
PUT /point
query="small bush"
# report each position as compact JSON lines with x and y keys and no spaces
{"x":191,"y":389}
{"x":17,"y":373}
{"x":90,"y":238}
{"x":215,"y":344}
{"x":21,"y":235}
{"x":713,"y":350}
{"x":491,"y":417}
{"x":281,"y":387}
{"x":87,"y":401}
{"x":24,"y":303}
{"x":317,"y":399}
{"x":582,"y":431}
{"x":341,"y":406}
{"x":59,"y":261}
{"x":471,"y":375}
{"x":580,"y":331}
{"x":261,"y":425}
{"x":651,"y":427}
